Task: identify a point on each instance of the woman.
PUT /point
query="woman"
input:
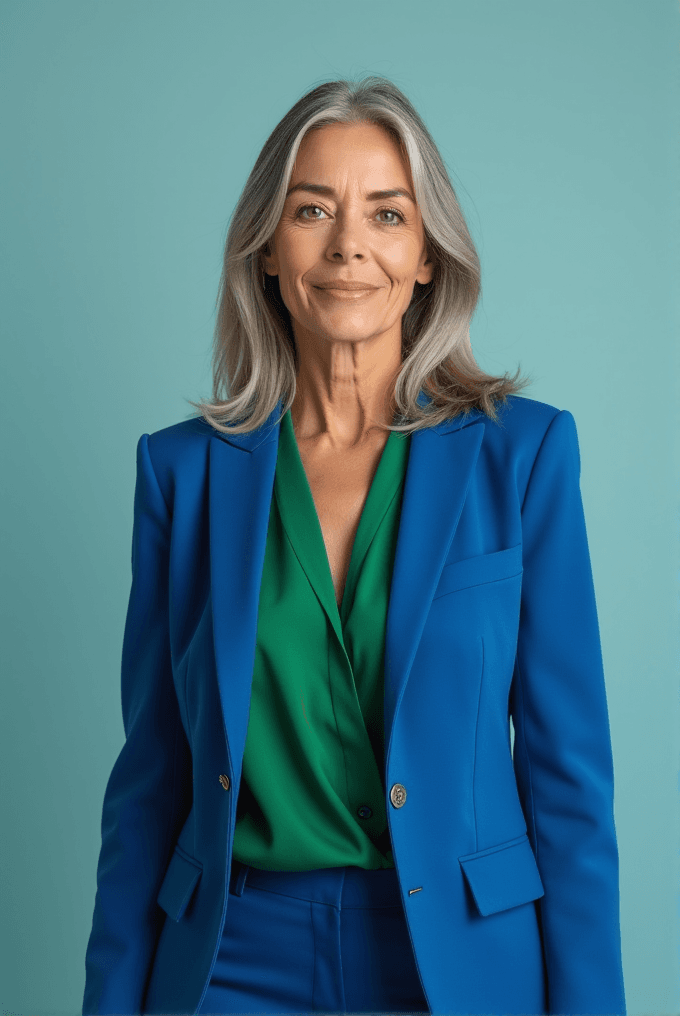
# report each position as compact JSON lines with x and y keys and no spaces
{"x":347,"y":576}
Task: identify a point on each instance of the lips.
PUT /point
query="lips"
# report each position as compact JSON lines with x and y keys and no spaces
{"x":349,"y":286}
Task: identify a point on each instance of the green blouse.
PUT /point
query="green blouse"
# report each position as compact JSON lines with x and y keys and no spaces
{"x":312,"y":792}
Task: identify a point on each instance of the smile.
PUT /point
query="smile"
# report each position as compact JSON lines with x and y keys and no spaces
{"x":346,"y":294}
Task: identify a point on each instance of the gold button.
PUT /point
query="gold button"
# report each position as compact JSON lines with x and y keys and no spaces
{"x":224,"y":780}
{"x":398,"y":795}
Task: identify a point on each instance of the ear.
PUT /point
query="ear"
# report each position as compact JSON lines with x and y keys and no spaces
{"x":269,"y":263}
{"x":426,"y":271}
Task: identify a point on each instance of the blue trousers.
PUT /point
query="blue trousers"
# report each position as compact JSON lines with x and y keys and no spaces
{"x":327,"y":940}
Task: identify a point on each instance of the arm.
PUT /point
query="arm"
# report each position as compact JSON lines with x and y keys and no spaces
{"x":148,"y":794}
{"x":562,"y":753}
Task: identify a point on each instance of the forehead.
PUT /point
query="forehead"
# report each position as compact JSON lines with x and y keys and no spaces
{"x":337,"y":151}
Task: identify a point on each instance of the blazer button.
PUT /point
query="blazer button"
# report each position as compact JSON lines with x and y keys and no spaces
{"x":224,"y":780}
{"x":398,"y":795}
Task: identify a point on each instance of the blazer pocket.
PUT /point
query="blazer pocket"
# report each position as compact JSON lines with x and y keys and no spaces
{"x":503,"y":876}
{"x":474,"y":571}
{"x":179,"y":883}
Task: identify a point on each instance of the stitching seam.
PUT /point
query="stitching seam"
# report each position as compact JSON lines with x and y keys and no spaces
{"x":538,"y":453}
{"x":148,"y":452}
{"x":526,"y":753}
{"x":474,"y":761}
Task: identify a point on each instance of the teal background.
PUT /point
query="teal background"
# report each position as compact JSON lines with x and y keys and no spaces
{"x":128,"y":132}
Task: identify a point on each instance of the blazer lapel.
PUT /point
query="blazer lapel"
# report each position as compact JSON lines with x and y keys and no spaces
{"x":240,"y":485}
{"x":440,"y":466}
{"x":241,"y":480}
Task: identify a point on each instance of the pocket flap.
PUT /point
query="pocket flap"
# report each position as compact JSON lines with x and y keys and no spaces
{"x":179,"y":883}
{"x":475,"y":571}
{"x":503,"y":876}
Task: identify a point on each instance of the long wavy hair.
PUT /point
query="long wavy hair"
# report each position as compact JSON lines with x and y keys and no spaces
{"x":255,"y":359}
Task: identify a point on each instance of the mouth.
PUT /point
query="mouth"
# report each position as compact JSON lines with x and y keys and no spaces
{"x":341,"y":292}
{"x":347,"y":285}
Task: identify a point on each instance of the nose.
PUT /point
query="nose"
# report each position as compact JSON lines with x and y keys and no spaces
{"x":346,"y":240}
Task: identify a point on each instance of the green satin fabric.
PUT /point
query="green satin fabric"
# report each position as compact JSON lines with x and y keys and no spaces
{"x":313,"y":762}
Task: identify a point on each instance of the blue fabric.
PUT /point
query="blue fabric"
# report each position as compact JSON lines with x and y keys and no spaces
{"x":507,"y":863}
{"x":326,"y":940}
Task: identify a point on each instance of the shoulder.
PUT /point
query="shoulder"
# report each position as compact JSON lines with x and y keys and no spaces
{"x":178,"y":438}
{"x":179,"y":453}
{"x":520,"y":415}
{"x":529,"y":431}
{"x":524,"y":423}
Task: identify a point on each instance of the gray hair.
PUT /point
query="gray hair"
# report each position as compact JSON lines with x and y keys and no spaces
{"x":254,"y":353}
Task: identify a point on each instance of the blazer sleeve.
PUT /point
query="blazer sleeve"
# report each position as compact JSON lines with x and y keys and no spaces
{"x":148,"y":794}
{"x":562,"y":751}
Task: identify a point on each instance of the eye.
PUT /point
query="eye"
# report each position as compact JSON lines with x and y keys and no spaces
{"x":390,"y":211}
{"x":305,"y":207}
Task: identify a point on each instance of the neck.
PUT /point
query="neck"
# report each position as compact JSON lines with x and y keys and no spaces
{"x":343,"y":394}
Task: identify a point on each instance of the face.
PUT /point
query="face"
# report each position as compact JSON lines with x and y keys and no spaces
{"x":333,"y":228}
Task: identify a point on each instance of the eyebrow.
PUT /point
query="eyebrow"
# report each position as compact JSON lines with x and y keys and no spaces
{"x":319,"y":188}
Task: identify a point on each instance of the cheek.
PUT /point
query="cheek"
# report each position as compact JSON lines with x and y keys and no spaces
{"x":401,"y":252}
{"x":299,"y":251}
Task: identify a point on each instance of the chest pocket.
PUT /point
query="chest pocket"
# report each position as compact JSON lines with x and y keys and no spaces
{"x":475,"y":571}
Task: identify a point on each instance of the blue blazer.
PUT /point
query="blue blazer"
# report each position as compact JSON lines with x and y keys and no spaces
{"x":506,"y":854}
